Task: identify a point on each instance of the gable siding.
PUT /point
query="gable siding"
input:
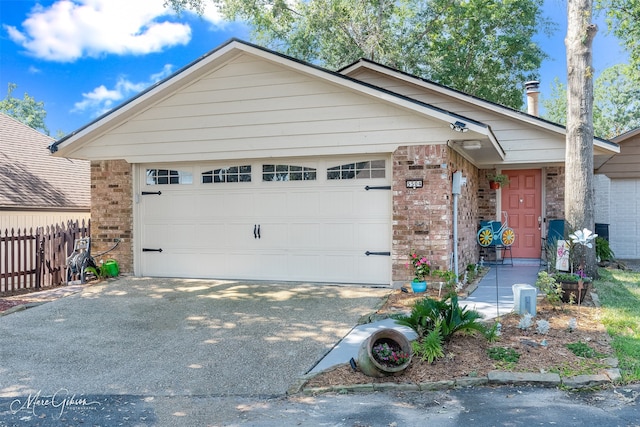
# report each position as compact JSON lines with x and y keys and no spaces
{"x":626,"y":164}
{"x":254,"y":108}
{"x":522,"y":142}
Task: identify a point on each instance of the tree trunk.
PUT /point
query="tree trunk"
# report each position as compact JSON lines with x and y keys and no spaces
{"x":579,"y":198}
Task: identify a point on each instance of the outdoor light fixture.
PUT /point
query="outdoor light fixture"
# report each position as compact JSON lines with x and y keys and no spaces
{"x":459,"y":126}
{"x":471,"y":145}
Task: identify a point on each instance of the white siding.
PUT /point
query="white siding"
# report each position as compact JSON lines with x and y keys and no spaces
{"x":522,"y":142}
{"x":254,"y":108}
{"x":624,"y":230}
{"x":33,"y":219}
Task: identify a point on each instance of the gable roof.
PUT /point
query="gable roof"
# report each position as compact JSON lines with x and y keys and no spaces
{"x":138,"y":131}
{"x":605,"y":148}
{"x":30,"y":178}
{"x":72,"y":144}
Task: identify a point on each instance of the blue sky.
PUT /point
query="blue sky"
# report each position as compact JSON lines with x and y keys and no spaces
{"x":84,"y":57}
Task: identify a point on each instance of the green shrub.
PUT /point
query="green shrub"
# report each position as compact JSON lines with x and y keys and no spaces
{"x":427,"y":312}
{"x":550,"y":288}
{"x":603,"y":250}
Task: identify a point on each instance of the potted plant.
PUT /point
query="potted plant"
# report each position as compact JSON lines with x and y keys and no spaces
{"x":421,"y":269}
{"x":385,"y":352}
{"x":496,"y":180}
{"x":574,"y":285}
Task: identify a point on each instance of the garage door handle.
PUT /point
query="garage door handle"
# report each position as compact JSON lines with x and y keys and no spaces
{"x":256,"y":231}
{"x":378,"y":253}
{"x":151,"y":250}
{"x":147,"y":193}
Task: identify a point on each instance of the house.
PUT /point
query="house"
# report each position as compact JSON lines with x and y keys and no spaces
{"x":37,"y":189}
{"x":618,"y":196}
{"x":248,"y":164}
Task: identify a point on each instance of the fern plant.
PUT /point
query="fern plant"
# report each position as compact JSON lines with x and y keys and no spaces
{"x":430,"y":347}
{"x":453,"y":318}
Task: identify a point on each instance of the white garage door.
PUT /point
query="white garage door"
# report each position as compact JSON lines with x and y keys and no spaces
{"x":624,"y":230}
{"x":276,"y":219}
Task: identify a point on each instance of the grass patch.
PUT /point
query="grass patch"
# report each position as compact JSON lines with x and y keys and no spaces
{"x":584,"y":367}
{"x":619,"y":293}
{"x":504,"y":354}
{"x":581,"y":349}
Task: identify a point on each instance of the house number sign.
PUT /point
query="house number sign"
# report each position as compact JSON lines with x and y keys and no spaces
{"x":414,"y":183}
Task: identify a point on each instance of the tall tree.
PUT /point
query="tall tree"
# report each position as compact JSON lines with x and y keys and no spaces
{"x":578,"y":198}
{"x":616,"y":105}
{"x":26,"y":110}
{"x":481,"y":47}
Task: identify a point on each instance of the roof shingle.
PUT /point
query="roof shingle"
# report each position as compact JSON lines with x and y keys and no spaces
{"x":31,"y":178}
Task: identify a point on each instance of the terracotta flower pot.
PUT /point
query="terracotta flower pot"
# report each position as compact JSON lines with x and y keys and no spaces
{"x":494,"y":185}
{"x":367,"y":362}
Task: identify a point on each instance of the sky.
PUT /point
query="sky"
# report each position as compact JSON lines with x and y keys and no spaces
{"x":85,"y":57}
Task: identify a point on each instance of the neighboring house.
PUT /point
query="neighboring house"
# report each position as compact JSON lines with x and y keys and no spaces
{"x":618,"y":196}
{"x":248,"y":164}
{"x":37,"y":189}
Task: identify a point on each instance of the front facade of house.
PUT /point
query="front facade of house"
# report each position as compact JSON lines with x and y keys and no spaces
{"x":250,"y":165}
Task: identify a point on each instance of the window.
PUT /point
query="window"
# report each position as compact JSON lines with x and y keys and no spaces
{"x":358,"y":170}
{"x":168,"y":176}
{"x":287,"y":173}
{"x":229,"y":174}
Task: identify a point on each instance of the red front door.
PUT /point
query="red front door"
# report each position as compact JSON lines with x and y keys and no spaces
{"x":522,"y":201}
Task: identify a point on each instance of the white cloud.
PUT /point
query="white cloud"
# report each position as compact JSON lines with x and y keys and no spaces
{"x":102,"y":99}
{"x":70,"y":29}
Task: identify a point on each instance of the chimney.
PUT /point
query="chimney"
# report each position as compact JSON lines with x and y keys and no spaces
{"x":532,"y":96}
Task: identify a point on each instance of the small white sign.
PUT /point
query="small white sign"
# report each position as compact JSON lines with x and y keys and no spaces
{"x":562,"y":256}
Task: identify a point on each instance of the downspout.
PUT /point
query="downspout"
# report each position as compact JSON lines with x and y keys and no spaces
{"x":456,"y":189}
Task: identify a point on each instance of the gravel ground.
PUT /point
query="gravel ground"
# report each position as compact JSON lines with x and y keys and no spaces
{"x":173,"y":337}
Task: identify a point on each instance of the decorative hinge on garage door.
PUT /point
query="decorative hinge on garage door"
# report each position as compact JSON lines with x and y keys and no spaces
{"x":151,"y":250}
{"x":378,"y":253}
{"x":380,"y":187}
{"x":146,"y":193}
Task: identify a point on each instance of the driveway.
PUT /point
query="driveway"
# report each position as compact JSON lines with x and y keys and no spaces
{"x":177,"y":337}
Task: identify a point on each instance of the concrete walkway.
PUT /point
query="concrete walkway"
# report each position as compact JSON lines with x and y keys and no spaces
{"x":492,"y":298}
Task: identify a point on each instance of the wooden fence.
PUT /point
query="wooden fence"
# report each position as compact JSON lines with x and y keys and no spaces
{"x":31,"y":260}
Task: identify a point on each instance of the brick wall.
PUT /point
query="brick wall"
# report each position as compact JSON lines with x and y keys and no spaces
{"x":112,"y":211}
{"x":468,"y":211}
{"x":423,"y":218}
{"x":487,"y":199}
{"x":553,"y":181}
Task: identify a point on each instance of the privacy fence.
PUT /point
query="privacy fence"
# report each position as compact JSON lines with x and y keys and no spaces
{"x":33,"y":260}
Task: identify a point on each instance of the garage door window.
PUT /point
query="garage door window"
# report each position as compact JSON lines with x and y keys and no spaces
{"x":168,"y":176}
{"x":230,"y":174}
{"x":288,"y":173}
{"x":358,"y":170}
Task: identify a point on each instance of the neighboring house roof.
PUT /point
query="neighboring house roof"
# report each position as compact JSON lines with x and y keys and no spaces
{"x":30,"y":178}
{"x":139,"y":130}
{"x":626,"y":164}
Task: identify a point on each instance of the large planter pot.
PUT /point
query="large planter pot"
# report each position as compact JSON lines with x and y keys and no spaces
{"x":418,"y":287}
{"x":367,"y":362}
{"x":573,"y":288}
{"x":494,"y":185}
